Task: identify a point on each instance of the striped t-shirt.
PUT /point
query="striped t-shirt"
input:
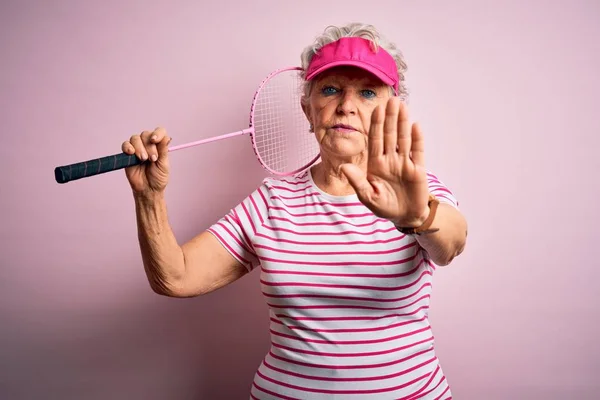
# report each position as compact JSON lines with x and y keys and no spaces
{"x":348,"y":295}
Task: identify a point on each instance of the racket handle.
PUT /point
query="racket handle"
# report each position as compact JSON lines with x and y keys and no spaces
{"x":67,"y":173}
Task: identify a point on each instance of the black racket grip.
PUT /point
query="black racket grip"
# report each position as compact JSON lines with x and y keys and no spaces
{"x":67,"y":173}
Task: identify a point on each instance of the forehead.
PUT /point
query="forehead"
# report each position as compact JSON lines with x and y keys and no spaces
{"x":349,"y":74}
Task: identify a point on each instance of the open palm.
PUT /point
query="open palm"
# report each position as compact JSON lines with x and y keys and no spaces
{"x":395,"y":183}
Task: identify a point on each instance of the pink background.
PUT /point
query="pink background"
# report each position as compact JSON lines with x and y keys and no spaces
{"x":507,"y":95}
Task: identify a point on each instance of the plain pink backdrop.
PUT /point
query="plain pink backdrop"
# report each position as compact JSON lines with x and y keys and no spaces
{"x":507,"y":95}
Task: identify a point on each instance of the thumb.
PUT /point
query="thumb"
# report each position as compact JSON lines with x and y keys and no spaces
{"x":358,"y":180}
{"x":163,"y":147}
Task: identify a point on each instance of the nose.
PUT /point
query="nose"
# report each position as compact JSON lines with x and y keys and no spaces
{"x":347,"y":103}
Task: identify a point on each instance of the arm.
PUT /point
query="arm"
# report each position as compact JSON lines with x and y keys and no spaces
{"x":200,"y":266}
{"x":450,"y":240}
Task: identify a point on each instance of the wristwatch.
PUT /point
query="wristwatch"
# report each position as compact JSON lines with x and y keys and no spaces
{"x":425,"y":227}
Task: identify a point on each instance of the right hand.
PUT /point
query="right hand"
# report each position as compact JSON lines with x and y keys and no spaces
{"x":151,"y":176}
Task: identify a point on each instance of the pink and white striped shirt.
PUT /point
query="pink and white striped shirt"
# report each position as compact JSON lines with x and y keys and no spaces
{"x":348,"y":295}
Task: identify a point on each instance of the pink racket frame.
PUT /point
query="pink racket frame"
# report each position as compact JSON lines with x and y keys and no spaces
{"x":251,"y":131}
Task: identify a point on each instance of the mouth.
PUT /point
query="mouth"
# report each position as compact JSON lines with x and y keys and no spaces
{"x":343,"y":128}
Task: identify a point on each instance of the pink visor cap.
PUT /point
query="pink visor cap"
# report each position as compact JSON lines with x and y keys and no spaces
{"x":357,"y":52}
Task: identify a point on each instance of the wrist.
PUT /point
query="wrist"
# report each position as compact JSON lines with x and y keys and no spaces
{"x":422,"y":224}
{"x":148,"y":198}
{"x":413,"y":222}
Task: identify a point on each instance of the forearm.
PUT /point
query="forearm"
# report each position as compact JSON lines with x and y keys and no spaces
{"x":162,"y":256}
{"x":450,"y":238}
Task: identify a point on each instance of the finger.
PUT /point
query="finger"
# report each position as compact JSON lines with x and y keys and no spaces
{"x":149,"y":145}
{"x":127,"y":148}
{"x":390,"y":126}
{"x":358,"y":180}
{"x":376,"y":132}
{"x":158,"y":135}
{"x":138,"y":146}
{"x":404,"y":138}
{"x":163,"y":147}
{"x":161,"y":139}
{"x":417,"y":148}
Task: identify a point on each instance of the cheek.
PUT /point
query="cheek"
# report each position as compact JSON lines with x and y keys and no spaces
{"x":365,"y":116}
{"x":367,"y":111}
{"x":323,"y":109}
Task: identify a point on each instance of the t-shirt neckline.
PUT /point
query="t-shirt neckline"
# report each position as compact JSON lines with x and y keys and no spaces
{"x":328,"y":196}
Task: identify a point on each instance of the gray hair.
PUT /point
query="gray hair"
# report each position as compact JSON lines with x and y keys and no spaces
{"x":366,"y":31}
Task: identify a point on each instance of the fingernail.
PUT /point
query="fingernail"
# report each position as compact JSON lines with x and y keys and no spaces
{"x":154,"y":138}
{"x":144,"y":156}
{"x":154,"y":158}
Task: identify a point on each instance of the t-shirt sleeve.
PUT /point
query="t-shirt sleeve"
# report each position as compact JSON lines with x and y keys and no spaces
{"x":437,"y":188}
{"x":237,"y":229}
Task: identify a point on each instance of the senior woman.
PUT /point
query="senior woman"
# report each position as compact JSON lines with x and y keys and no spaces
{"x":346,"y":250}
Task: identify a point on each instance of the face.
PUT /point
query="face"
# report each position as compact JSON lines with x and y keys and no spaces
{"x":339,"y":107}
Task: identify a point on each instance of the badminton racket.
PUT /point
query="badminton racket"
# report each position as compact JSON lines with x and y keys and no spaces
{"x":278,"y":130}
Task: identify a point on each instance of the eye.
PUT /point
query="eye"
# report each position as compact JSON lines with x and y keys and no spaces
{"x":368,"y":93}
{"x":329,"y":90}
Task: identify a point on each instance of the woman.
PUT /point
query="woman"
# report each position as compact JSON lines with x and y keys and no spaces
{"x":346,"y":250}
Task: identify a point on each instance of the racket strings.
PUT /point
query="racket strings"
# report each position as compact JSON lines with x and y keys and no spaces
{"x":282,"y":139}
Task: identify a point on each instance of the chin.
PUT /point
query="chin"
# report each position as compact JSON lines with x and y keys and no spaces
{"x":344,"y":145}
{"x":346,"y":150}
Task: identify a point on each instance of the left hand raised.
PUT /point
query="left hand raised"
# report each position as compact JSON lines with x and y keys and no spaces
{"x":395,"y":184}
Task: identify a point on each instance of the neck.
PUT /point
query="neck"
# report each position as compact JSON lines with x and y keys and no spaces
{"x":328,"y":176}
